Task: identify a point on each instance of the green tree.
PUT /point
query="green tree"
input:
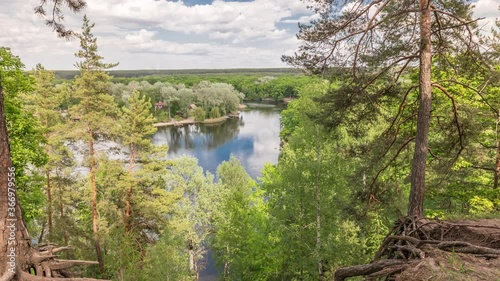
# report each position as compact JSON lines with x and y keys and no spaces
{"x":96,"y":111}
{"x":13,"y":80}
{"x":169,"y":95}
{"x":243,"y":234}
{"x":191,"y":221}
{"x":387,"y":38}
{"x":26,"y":135}
{"x":199,"y":114}
{"x":135,"y":130}
{"x":45,"y":103}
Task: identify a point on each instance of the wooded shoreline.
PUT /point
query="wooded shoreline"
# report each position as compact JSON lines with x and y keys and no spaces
{"x":191,"y":121}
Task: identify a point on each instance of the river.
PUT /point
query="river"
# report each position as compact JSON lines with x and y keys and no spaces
{"x":253,"y":138}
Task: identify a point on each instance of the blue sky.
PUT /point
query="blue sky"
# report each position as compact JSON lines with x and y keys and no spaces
{"x":160,"y":34}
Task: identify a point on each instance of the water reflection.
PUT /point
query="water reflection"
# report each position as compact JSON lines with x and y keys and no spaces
{"x":253,"y":138}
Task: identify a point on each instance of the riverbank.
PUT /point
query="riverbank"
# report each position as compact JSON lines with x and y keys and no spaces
{"x":191,"y":121}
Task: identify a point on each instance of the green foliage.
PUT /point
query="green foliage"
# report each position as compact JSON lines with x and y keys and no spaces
{"x":214,"y":113}
{"x":124,"y":256}
{"x":242,"y":242}
{"x":166,"y":260}
{"x":199,"y":114}
{"x":25,"y":134}
{"x":136,"y":123}
{"x":88,"y":50}
{"x":316,"y":196}
{"x":96,"y":109}
{"x":481,"y":206}
{"x":341,"y":179}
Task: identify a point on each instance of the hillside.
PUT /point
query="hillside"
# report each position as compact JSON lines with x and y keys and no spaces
{"x":426,"y":249}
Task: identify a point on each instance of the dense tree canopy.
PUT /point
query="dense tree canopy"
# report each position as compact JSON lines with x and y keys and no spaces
{"x":398,"y":80}
{"x":387,"y":40}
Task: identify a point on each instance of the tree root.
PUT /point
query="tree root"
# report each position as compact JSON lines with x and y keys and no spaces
{"x":7,"y":276}
{"x":410,"y":239}
{"x":48,"y":267}
{"x":28,"y":277}
{"x":366,"y":269}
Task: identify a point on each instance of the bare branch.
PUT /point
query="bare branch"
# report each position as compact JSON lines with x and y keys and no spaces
{"x":455,"y":113}
{"x":368,"y":28}
{"x":57,"y":16}
{"x":393,"y":158}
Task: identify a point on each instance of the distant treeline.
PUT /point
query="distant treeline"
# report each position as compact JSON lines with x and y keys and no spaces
{"x":70,"y":74}
{"x":254,"y":84}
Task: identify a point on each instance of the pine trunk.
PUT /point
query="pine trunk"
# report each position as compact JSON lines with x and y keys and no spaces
{"x":14,"y":238}
{"x":49,"y":191}
{"x":97,"y":243}
{"x":318,"y":216}
{"x":416,"y":202}
{"x":128,"y":208}
{"x":49,"y":204}
{"x":497,"y":168}
{"x":497,"y":162}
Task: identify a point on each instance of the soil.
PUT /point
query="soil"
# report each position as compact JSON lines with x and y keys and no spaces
{"x":428,"y":249}
{"x":445,"y":265}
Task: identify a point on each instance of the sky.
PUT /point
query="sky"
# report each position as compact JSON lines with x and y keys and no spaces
{"x":161,"y":34}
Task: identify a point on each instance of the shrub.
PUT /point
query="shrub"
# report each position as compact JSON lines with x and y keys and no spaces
{"x":214,"y":112}
{"x":199,"y":114}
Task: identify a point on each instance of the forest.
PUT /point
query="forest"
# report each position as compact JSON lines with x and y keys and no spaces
{"x":389,"y":162}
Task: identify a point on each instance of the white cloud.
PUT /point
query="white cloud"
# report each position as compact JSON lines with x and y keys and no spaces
{"x":142,"y":36}
{"x":160,"y":34}
{"x":143,"y":42}
{"x":489,"y":10}
{"x":302,"y":19}
{"x":239,"y":20}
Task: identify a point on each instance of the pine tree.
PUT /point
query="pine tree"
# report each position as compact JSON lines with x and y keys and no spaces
{"x":95,"y":113}
{"x":386,"y":39}
{"x":136,"y":128}
{"x":45,"y":102}
{"x":19,"y":256}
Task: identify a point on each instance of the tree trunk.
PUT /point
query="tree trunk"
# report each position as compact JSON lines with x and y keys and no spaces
{"x":49,"y":191}
{"x":49,"y":205}
{"x":226,"y":264}
{"x":61,"y":191}
{"x":97,"y":244}
{"x":416,"y":202}
{"x":14,"y":238}
{"x":318,"y":215}
{"x":128,"y":196}
{"x":193,"y":267}
{"x":497,"y":167}
{"x":497,"y":162}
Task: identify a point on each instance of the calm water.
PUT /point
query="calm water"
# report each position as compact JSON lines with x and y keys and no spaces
{"x":253,"y":138}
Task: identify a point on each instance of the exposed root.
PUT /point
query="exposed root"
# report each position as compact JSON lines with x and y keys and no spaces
{"x":28,"y":277}
{"x":366,"y":269}
{"x":7,"y":276}
{"x":48,"y":267}
{"x":411,"y":239}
